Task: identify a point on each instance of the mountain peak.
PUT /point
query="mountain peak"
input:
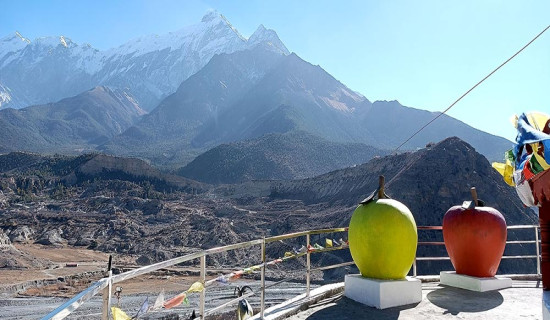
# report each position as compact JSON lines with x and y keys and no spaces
{"x":261,"y":29}
{"x":268,"y":36}
{"x":65,"y":41}
{"x":54,"y":41}
{"x":9,"y":44}
{"x":12,"y":43}
{"x":211,"y":15}
{"x":17,"y":34}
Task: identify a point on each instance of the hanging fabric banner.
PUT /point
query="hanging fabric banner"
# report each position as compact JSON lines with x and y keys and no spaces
{"x":119,"y":314}
{"x":530,"y":155}
{"x":196,"y":287}
{"x":222,"y":279}
{"x":175,"y":301}
{"x":143,"y":309}
{"x":159,"y":302}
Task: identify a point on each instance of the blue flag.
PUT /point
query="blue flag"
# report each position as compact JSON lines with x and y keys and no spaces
{"x":143,"y":309}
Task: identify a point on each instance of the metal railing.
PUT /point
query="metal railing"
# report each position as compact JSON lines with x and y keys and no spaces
{"x":105,"y":285}
{"x":441,"y":243}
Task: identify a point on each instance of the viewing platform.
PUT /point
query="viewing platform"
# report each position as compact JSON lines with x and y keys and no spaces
{"x":522,"y":301}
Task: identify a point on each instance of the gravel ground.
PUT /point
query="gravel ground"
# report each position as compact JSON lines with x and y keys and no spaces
{"x":35,"y":308}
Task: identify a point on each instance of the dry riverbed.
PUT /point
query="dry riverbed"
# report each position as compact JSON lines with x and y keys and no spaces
{"x":32,"y":293}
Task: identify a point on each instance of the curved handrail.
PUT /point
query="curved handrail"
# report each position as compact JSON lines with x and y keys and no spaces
{"x":103,"y":284}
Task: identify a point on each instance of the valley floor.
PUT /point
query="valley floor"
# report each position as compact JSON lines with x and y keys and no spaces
{"x":34,"y":292}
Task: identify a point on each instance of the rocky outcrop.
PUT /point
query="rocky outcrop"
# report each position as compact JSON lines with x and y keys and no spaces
{"x":5,"y":242}
{"x":428,"y":181}
{"x":52,"y":238}
{"x":11,"y":258}
{"x":21,"y":234}
{"x":101,"y":163}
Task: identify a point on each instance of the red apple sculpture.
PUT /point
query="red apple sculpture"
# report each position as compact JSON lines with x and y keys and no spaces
{"x":475,"y":238}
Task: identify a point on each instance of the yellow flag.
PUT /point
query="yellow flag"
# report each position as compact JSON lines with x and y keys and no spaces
{"x":506,"y":170}
{"x":328,"y":243}
{"x":537,"y":120}
{"x":196,"y":287}
{"x":119,"y":314}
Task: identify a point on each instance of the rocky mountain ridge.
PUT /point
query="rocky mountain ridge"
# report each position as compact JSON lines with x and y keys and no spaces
{"x":293,"y":155}
{"x":121,"y":214}
{"x":70,"y":125}
{"x":248,"y":94}
{"x":429,"y":180}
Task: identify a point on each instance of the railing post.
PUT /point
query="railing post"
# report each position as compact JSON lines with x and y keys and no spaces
{"x":107,"y":298}
{"x":308,"y":265}
{"x":203,"y":280}
{"x":262,"y":303}
{"x":538,"y":249}
{"x":414,"y":267}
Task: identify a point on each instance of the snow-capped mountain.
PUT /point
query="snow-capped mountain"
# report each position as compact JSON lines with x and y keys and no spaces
{"x":151,"y":67}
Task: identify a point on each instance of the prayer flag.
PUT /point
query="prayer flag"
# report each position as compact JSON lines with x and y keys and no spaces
{"x":119,"y":314}
{"x":196,"y":287}
{"x":159,"y":302}
{"x":235,"y":275}
{"x":175,"y":301}
{"x":143,"y":309}
{"x":506,"y":170}
{"x":301,"y":250}
{"x":222,"y":279}
{"x":540,"y":159}
{"x":529,"y":132}
{"x":328,"y":243}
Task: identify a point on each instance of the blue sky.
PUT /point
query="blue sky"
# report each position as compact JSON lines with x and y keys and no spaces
{"x":424,"y":54}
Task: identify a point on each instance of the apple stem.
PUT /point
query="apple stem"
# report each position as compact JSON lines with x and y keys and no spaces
{"x":381,"y":181}
{"x":474,"y":195}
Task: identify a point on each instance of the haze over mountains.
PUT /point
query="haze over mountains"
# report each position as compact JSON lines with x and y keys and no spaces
{"x":205,"y":86}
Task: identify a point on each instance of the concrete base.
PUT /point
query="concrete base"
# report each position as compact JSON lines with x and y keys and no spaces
{"x":383,"y":294}
{"x":546,"y":305}
{"x":451,"y":278}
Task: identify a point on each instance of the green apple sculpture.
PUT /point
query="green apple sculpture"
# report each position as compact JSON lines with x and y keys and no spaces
{"x":382,"y":237}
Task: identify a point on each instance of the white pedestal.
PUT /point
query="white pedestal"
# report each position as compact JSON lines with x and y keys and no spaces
{"x":383,"y":294}
{"x":546,"y":305}
{"x":451,"y":278}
